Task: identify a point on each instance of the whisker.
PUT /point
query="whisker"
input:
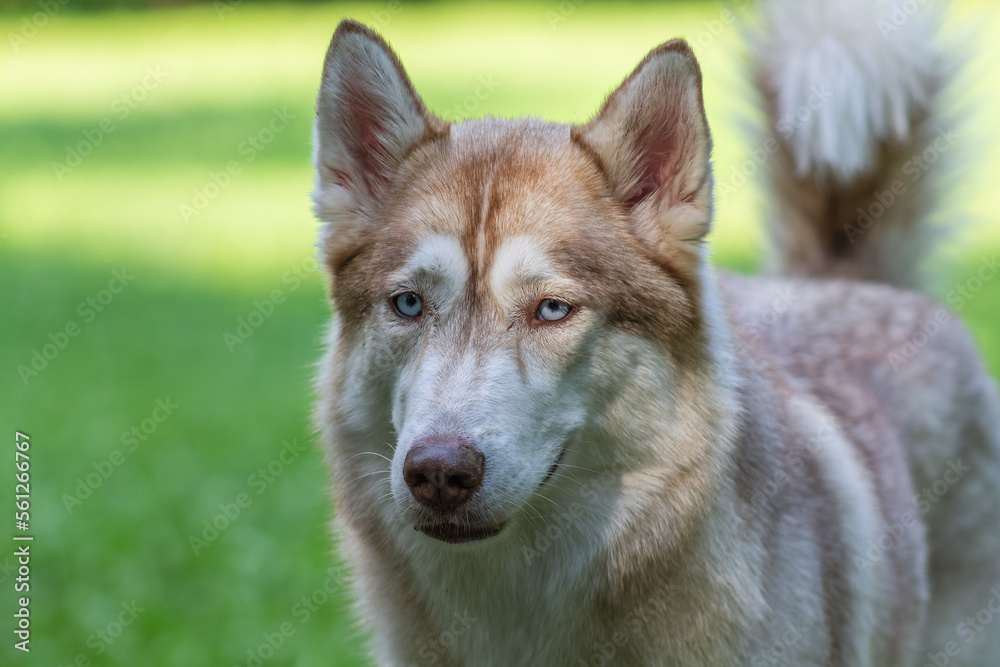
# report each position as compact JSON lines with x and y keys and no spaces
{"x":591,"y":470}
{"x":388,"y":475}
{"x":383,"y":497}
{"x":381,"y":456}
{"x":558,"y":475}
{"x":540,"y":495}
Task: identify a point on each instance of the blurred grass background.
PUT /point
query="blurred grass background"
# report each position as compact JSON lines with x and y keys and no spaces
{"x":225,"y":69}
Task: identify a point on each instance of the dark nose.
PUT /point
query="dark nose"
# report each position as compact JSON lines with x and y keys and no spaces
{"x":442,"y":473}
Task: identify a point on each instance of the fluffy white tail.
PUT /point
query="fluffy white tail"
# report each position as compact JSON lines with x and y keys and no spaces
{"x":853,"y":92}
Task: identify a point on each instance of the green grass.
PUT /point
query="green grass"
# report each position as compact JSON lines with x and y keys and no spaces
{"x":162,"y":336}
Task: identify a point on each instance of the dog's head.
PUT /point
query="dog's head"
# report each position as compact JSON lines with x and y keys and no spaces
{"x":515,"y":299}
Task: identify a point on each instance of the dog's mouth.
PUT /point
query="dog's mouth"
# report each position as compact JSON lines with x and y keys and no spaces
{"x":454,"y":533}
{"x":459,"y":534}
{"x":552,"y":470}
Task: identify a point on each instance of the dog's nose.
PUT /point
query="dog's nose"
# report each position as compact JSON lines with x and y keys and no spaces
{"x":443,"y":473}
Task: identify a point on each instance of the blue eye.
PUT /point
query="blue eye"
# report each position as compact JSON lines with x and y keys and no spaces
{"x":551,"y":310}
{"x":408,"y":304}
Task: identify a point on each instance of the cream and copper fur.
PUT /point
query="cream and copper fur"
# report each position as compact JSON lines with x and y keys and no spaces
{"x":559,"y":437}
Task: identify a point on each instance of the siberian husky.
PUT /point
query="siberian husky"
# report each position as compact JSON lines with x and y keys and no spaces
{"x":558,"y":436}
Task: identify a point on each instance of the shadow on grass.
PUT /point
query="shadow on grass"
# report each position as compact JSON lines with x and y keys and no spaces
{"x":144,"y":427}
{"x":192,"y":136}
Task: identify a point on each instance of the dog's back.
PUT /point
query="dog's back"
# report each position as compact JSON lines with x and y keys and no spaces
{"x":856,"y":110}
{"x":902,"y":379}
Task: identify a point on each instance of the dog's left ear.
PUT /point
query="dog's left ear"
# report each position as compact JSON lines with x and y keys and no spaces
{"x":652,"y":139}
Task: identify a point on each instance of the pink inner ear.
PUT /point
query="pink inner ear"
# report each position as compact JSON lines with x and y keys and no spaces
{"x":655,"y":148}
{"x":364,"y":137}
{"x":639,"y":193}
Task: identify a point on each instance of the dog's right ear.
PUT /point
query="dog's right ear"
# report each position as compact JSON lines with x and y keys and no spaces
{"x":368,"y":117}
